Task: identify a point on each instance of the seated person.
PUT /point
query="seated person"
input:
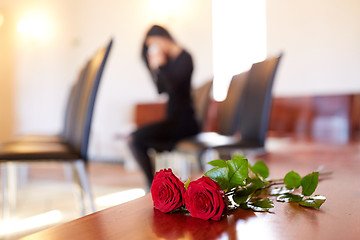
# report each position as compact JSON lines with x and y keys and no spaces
{"x":171,"y":68}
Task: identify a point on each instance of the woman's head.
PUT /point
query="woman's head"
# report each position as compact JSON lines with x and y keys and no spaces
{"x":158,"y":36}
{"x":158,"y":31}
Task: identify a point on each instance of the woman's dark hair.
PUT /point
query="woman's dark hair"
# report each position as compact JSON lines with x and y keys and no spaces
{"x":155,"y":30}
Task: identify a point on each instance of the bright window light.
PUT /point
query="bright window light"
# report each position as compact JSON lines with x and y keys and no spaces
{"x":239,"y":39}
{"x":35,"y":26}
{"x":119,"y":197}
{"x":19,"y":225}
{"x":165,"y":7}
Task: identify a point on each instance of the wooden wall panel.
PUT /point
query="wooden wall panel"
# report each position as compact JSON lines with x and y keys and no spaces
{"x":333,"y":118}
{"x":324,"y":118}
{"x":146,"y":113}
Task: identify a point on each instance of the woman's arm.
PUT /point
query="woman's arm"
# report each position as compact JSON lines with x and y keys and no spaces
{"x":176,"y":73}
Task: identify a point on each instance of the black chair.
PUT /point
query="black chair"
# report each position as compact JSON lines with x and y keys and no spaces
{"x":197,"y":145}
{"x":201,"y":99}
{"x":73,"y":147}
{"x":243,"y":116}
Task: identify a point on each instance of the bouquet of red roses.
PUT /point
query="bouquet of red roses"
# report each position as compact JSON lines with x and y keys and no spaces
{"x":229,"y":185}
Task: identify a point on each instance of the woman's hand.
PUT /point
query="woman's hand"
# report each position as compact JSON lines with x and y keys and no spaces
{"x":156,"y":57}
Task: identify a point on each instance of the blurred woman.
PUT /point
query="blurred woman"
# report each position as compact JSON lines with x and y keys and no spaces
{"x":171,"y":68}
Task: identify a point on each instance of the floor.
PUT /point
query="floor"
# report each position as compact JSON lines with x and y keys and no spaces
{"x":47,"y":196}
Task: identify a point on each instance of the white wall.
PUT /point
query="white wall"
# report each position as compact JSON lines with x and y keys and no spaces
{"x":44,"y":66}
{"x":320,"y":40}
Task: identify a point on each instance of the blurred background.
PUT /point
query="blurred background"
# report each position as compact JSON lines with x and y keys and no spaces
{"x":43,"y":43}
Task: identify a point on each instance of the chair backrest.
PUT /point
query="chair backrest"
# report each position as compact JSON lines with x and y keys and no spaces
{"x":201,"y":99}
{"x":228,"y":109}
{"x":256,"y":101}
{"x":73,"y":103}
{"x":79,"y":139}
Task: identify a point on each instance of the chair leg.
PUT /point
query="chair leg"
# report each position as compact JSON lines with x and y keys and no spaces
{"x":81,"y":179}
{"x":23,"y":174}
{"x":71,"y":174}
{"x":185,"y":166}
{"x":209,"y":155}
{"x":12,"y":185}
{"x":4,"y":192}
{"x":163,"y":159}
{"x":179,"y":165}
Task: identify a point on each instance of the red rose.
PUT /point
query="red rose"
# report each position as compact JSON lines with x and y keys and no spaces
{"x":167,"y":191}
{"x":205,"y":199}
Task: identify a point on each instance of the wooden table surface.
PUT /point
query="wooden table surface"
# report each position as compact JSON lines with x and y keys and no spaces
{"x":338,"y":218}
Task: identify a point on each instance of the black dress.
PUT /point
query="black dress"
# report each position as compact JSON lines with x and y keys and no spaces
{"x":174,"y":79}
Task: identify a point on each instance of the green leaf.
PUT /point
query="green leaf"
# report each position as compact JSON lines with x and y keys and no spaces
{"x":218,"y":163}
{"x":313,"y":202}
{"x":256,"y":183}
{"x":242,"y":193}
{"x":289,"y":197}
{"x":244,"y":205}
{"x":260,"y":168}
{"x":280,"y":190}
{"x":186,"y":184}
{"x":219,"y":175}
{"x":240,"y":199}
{"x":239,"y":157}
{"x":238,"y":170}
{"x":263,"y":205}
{"x":309,"y":183}
{"x":292,"y":180}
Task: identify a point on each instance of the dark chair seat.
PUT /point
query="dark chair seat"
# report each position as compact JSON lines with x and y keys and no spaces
{"x":39,"y":151}
{"x":38,"y":138}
